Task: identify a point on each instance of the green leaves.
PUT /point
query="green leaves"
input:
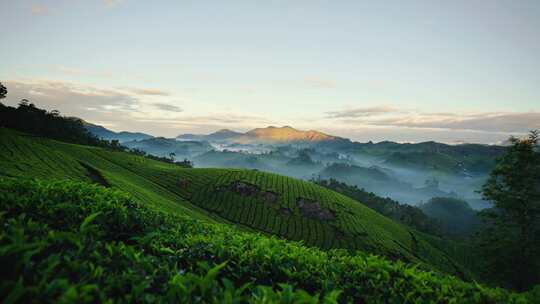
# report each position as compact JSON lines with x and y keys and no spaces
{"x":88,"y":221}
{"x":77,"y":243}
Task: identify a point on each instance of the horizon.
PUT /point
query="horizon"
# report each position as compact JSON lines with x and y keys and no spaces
{"x":465,"y":71}
{"x":310,"y":130}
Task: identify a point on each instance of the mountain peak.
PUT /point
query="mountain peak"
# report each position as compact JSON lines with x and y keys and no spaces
{"x":224,"y":131}
{"x":288,"y":134}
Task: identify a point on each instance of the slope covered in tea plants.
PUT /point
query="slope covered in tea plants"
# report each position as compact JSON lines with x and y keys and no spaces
{"x":269,"y":203}
{"x":73,"y":242}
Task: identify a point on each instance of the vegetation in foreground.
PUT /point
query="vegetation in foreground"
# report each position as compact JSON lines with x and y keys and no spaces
{"x":74,"y":242}
{"x":511,"y":234}
{"x":511,"y":241}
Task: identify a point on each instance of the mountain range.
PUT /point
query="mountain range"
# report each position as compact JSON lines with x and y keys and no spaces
{"x":269,"y":134}
{"x":106,"y":134}
{"x":396,"y":170}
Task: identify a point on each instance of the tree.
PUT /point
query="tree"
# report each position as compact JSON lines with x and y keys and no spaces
{"x":511,"y":242}
{"x":172,"y":155}
{"x":3,"y":91}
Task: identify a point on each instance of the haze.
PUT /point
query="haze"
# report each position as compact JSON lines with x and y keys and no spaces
{"x":447,"y":71}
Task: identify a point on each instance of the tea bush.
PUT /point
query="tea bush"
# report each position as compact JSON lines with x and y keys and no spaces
{"x":72,"y":242}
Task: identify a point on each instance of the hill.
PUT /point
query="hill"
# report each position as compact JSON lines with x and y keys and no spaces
{"x":268,"y":135}
{"x":220,"y":135}
{"x":256,"y":201}
{"x":87,"y":244}
{"x":455,"y":216}
{"x":287,"y":134}
{"x":409,"y":215}
{"x":161,"y":146}
{"x":106,"y":134}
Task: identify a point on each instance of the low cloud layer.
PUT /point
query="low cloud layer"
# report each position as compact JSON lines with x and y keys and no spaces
{"x":125,"y":109}
{"x":386,"y":116}
{"x":489,"y":122}
{"x":71,"y":97}
{"x":361,"y":112}
{"x":112,"y":3}
{"x":321,"y":83}
{"x":150,"y":92}
{"x":39,"y":9}
{"x":167,"y":107}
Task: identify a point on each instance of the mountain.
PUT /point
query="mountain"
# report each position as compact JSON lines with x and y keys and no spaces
{"x":268,"y":135}
{"x":104,"y":133}
{"x":219,"y":135}
{"x":287,"y":134}
{"x":161,"y":146}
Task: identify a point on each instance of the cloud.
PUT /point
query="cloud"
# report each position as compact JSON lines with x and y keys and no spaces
{"x":320,"y":83}
{"x":509,"y":122}
{"x":39,"y":9}
{"x":124,"y":108}
{"x":70,"y":97}
{"x":214,"y":119}
{"x":112,"y":3}
{"x":151,"y":92}
{"x":361,"y":112}
{"x":81,"y":72}
{"x":167,"y":107}
{"x":386,"y":116}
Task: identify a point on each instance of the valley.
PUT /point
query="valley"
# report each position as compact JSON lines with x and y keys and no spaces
{"x":409,"y":173}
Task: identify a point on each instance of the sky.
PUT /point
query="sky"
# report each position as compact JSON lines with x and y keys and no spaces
{"x":407,"y":71}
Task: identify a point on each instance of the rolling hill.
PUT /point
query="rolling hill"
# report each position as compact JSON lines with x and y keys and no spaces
{"x":73,"y":242}
{"x":106,"y":134}
{"x":220,"y":135}
{"x":161,"y":146}
{"x":253,"y":200}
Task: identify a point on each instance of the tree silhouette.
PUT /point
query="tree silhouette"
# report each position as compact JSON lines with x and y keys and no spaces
{"x":3,"y":91}
{"x":511,"y":243}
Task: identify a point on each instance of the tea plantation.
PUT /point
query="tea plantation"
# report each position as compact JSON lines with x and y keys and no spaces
{"x":73,"y":242}
{"x":166,"y":233}
{"x":256,"y":201}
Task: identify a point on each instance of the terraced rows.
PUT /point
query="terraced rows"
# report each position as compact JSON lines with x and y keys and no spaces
{"x":327,"y":219}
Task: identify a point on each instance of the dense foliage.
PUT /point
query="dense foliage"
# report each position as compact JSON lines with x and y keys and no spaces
{"x":405,"y":214}
{"x":455,"y":216}
{"x":3,"y":91}
{"x":26,"y":117}
{"x":72,"y":242}
{"x":511,"y":243}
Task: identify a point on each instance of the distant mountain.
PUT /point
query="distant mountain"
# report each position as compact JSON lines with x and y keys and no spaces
{"x":122,"y":137}
{"x":269,"y":134}
{"x":288,"y":134}
{"x":161,"y":146}
{"x":455,"y":216}
{"x":220,"y":135}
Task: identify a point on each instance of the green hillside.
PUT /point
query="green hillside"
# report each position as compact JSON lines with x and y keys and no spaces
{"x":264,"y":202}
{"x":71,"y":242}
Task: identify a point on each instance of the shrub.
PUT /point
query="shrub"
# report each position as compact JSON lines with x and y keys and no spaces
{"x":74,"y":242}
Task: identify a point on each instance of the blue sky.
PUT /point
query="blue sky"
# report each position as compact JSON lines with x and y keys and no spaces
{"x":371,"y":70}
